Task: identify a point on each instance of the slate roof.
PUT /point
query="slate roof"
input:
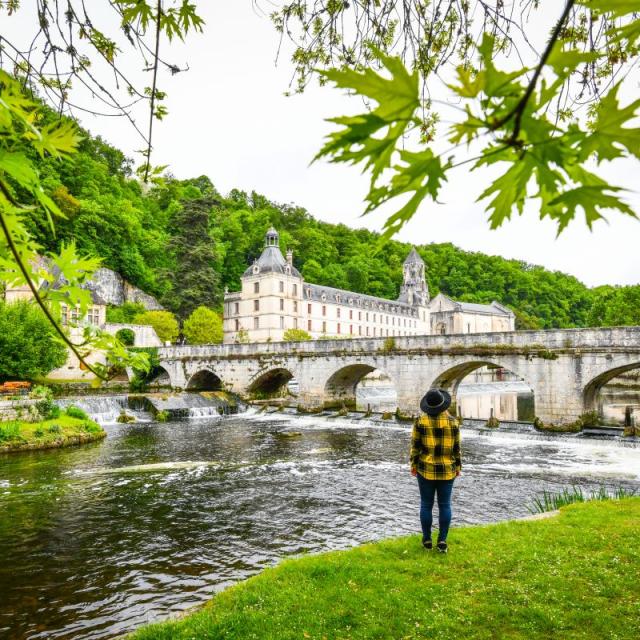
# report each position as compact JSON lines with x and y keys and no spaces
{"x":271,"y":260}
{"x":413,"y":256}
{"x":316,"y":291}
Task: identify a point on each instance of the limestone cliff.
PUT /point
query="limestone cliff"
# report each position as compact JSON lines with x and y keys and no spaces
{"x":112,"y":288}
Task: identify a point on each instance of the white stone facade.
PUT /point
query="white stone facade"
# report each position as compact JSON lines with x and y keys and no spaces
{"x":274,"y":297}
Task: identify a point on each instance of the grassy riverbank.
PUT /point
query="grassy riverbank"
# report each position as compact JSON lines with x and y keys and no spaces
{"x":576,"y":575}
{"x":48,"y":434}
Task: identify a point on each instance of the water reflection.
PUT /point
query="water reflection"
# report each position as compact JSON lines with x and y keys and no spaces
{"x":95,"y":541}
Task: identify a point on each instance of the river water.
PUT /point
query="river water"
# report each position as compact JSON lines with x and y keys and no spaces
{"x":97,"y":540}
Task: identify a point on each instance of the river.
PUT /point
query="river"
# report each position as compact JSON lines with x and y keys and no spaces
{"x":97,"y":540}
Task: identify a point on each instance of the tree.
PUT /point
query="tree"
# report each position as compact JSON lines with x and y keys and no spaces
{"x":296,"y":335}
{"x":203,"y":326}
{"x":126,"y":336}
{"x":164,"y":323}
{"x":65,"y":44}
{"x":522,"y":119}
{"x":195,"y":281}
{"x":28,"y":346}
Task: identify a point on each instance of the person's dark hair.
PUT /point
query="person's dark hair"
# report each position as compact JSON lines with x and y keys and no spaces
{"x":435,"y":401}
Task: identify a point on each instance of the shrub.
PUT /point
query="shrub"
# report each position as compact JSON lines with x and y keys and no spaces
{"x":164,"y":323}
{"x":387,"y":415}
{"x":126,"y":336}
{"x":38,"y":433}
{"x":296,"y":335}
{"x":55,"y":428}
{"x":162,"y":416}
{"x":76,"y":412}
{"x":47,"y":409}
{"x":203,"y":326}
{"x":388,"y":345}
{"x":28,"y":348}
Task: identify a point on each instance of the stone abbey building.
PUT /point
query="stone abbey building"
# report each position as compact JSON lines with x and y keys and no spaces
{"x":274,"y":297}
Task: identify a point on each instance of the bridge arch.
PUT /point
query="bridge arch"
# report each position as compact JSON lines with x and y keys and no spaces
{"x":505,"y":402}
{"x":341,"y":386}
{"x":270,"y":382}
{"x":594,"y":386}
{"x":204,"y":380}
{"x":159,"y":376}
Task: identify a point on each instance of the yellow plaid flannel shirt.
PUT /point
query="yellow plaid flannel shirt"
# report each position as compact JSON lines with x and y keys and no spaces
{"x":435,"y":447}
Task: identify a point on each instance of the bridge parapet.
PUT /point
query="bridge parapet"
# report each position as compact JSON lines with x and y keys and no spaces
{"x":611,"y":338}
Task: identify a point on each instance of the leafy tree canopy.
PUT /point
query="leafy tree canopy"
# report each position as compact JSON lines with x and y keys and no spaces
{"x":540,"y":121}
{"x":164,"y":323}
{"x":28,"y":346}
{"x":203,"y":326}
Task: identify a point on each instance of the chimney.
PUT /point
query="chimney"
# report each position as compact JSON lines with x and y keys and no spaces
{"x":290,"y":257}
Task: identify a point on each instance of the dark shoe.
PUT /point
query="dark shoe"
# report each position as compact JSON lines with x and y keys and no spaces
{"x":427,"y":544}
{"x":442,"y":547}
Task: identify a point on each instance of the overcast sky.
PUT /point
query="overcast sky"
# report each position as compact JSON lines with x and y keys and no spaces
{"x":229,"y":119}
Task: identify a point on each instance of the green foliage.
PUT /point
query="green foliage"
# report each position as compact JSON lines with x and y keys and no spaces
{"x":28,"y":346}
{"x":126,"y":336}
{"x":543,"y":154}
{"x":125,"y":313}
{"x":203,"y":326}
{"x":195,"y":281}
{"x":9,"y":430}
{"x":76,"y":412}
{"x":296,"y":335}
{"x":162,"y":416}
{"x":164,"y":323}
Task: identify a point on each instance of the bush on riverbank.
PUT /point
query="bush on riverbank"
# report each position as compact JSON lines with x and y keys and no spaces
{"x":62,"y":431}
{"x":574,"y":575}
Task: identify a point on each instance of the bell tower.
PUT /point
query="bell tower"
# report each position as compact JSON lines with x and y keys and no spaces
{"x":414,"y":288}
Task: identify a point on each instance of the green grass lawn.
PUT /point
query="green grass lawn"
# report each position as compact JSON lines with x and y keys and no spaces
{"x":57,"y":432}
{"x":576,"y":575}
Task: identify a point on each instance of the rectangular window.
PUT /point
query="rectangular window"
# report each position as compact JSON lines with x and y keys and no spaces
{"x":281,"y":304}
{"x":64,"y":314}
{"x":256,"y":287}
{"x":359,"y":315}
{"x":256,"y":305}
{"x":324,"y":310}
{"x":309,"y":309}
{"x":237,"y":325}
{"x":374,"y":332}
{"x":74,"y":315}
{"x":350,"y":314}
{"x":338,"y":312}
{"x":308,"y":325}
{"x":295,"y":323}
{"x":295,"y":289}
{"x":374,"y":317}
{"x":324,"y":327}
{"x":295,"y":306}
{"x":281,"y":286}
{"x":367,"y":316}
{"x":367,"y":330}
{"x":359,"y":331}
{"x":351,"y":329}
{"x":281,"y":322}
{"x":237,"y":308}
{"x":256,"y":323}
{"x":338,"y":328}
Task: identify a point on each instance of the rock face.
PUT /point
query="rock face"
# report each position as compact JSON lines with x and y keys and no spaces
{"x":114,"y":289}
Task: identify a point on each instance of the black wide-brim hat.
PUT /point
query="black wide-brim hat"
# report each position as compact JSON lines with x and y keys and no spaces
{"x":435,"y":401}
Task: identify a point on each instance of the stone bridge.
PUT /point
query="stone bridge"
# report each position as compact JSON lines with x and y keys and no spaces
{"x":564,"y":368}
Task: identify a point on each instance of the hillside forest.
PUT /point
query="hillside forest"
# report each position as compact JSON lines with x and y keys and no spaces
{"x":184,"y":242}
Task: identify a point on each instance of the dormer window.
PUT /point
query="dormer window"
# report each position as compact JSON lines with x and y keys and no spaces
{"x":256,"y":269}
{"x":338,"y":298}
{"x":351,"y":301}
{"x":323,"y":297}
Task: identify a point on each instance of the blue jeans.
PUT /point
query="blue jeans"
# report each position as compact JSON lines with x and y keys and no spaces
{"x":428,"y":490}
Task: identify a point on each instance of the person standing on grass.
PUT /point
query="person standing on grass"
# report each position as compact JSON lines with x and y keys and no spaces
{"x":435,"y":461}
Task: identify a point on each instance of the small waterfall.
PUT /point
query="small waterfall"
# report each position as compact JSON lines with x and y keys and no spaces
{"x":101,"y":409}
{"x":194,"y":405}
